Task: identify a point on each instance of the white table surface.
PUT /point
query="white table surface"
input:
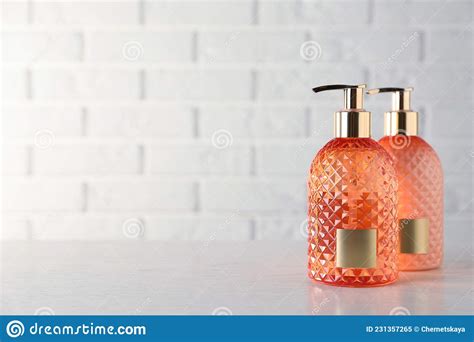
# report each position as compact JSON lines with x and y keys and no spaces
{"x":138,"y":277}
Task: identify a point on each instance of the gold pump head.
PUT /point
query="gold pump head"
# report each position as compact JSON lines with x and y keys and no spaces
{"x":353,"y":121}
{"x":401,"y":119}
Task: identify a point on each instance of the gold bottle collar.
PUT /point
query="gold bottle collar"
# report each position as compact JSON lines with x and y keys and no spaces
{"x":352,"y":124}
{"x":401,"y":122}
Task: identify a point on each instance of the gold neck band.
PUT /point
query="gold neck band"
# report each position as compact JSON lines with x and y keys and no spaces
{"x":401,"y":122}
{"x":352,"y":124}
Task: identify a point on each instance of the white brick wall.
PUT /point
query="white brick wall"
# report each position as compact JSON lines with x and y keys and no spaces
{"x":152,"y":46}
{"x":198,"y":13}
{"x":26,"y":120}
{"x":32,"y":195}
{"x":199,"y":159}
{"x":198,"y":84}
{"x":140,"y":195}
{"x":14,"y":84}
{"x":28,"y":46}
{"x":77,"y":159}
{"x":195,"y":119}
{"x":250,"y":46}
{"x":85,"y":13}
{"x":257,"y":122}
{"x":257,"y":195}
{"x":85,"y":83}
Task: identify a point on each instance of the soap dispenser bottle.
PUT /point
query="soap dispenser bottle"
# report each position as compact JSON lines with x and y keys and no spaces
{"x":420,"y":182}
{"x":352,"y":202}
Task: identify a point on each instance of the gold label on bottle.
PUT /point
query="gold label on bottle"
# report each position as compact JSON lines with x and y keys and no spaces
{"x":414,"y":236}
{"x":356,"y":248}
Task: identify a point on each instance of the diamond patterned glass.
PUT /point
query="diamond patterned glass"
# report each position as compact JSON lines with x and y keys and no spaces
{"x":420,"y":179}
{"x":352,"y":185}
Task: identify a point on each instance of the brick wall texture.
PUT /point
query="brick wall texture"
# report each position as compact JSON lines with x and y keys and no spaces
{"x":195,"y":119}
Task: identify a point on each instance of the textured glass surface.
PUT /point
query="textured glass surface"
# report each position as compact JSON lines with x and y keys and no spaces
{"x":420,"y":179}
{"x":352,"y":185}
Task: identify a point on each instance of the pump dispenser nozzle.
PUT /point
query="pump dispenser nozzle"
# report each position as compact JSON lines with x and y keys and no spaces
{"x":352,"y":121}
{"x":401,"y":119}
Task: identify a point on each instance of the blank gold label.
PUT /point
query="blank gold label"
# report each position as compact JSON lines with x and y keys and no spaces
{"x":356,"y":248}
{"x":414,"y":236}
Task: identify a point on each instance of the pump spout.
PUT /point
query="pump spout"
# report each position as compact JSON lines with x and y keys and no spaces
{"x":352,"y":121}
{"x":400,"y":97}
{"x":353,"y":94}
{"x":401,"y":119}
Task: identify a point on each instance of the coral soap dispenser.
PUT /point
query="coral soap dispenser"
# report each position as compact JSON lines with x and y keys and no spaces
{"x":420,"y":179}
{"x":352,"y":200}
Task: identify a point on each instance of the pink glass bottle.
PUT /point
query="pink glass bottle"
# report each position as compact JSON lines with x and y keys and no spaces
{"x":352,"y":203}
{"x":420,"y":184}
